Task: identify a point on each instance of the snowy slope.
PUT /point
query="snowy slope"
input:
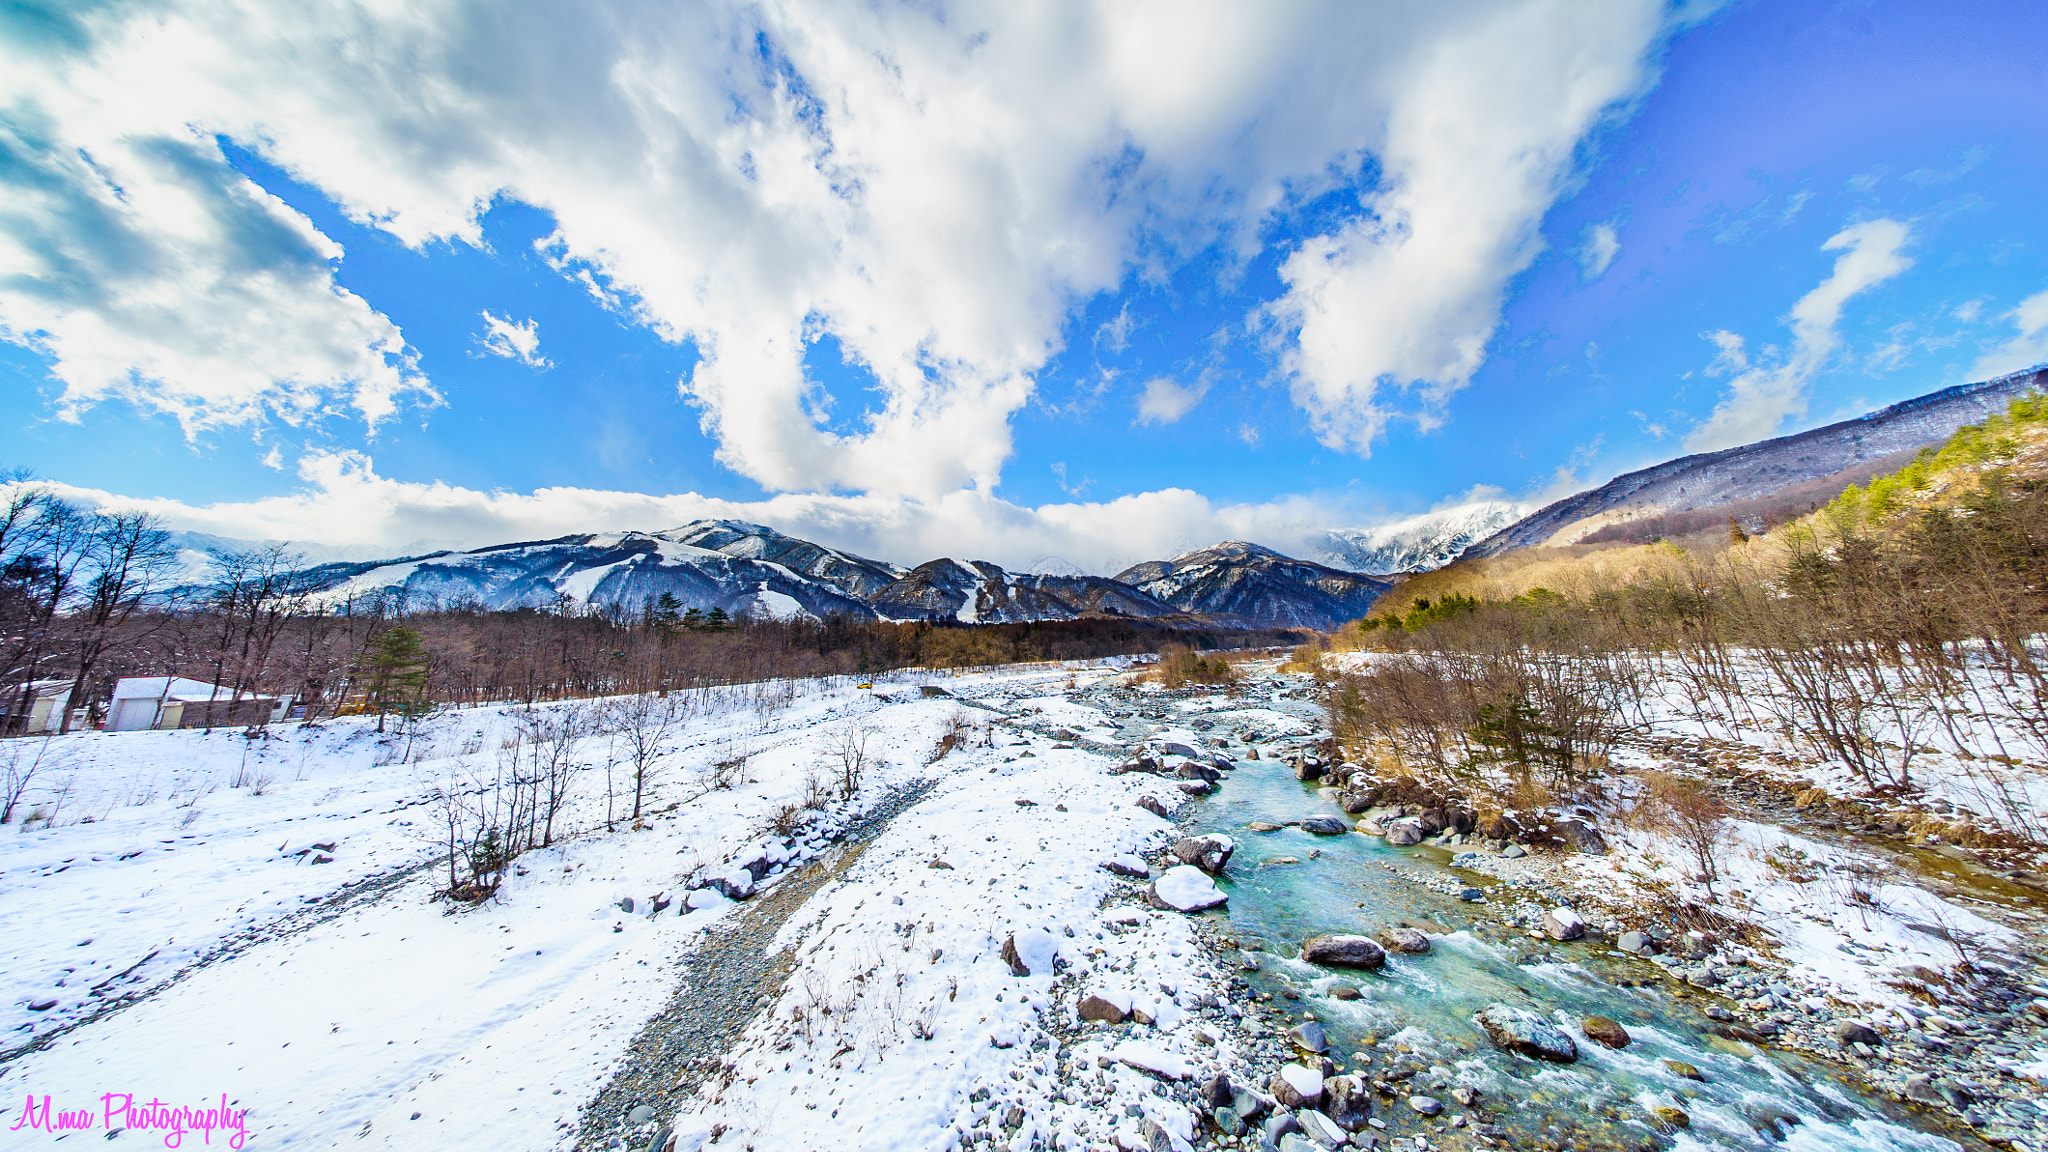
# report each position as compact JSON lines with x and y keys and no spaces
{"x":1419,"y":543}
{"x":1752,"y":471}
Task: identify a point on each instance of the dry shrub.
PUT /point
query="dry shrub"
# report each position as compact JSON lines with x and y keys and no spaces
{"x":1180,"y":666}
{"x":1689,"y":812}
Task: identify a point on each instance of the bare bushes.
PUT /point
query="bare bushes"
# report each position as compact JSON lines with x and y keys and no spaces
{"x":1514,"y":699}
{"x":1688,"y":811}
{"x":850,"y":756}
{"x":488,"y":815}
{"x":1180,"y":666}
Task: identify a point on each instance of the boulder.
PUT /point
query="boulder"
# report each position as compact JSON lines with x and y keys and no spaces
{"x":1195,"y":787}
{"x":1405,"y":940}
{"x":1681,"y":1068}
{"x":1342,"y":951}
{"x":1185,"y":888}
{"x":1633,"y":942}
{"x":1522,"y":1031}
{"x":1217,"y":1091}
{"x":1176,"y":749}
{"x":1405,"y":831}
{"x":1857,"y":1032}
{"x":1320,"y":1128}
{"x":1345,"y":992}
{"x":1264,"y":826}
{"x":1126,"y":864}
{"x":1563,"y":924}
{"x":1308,"y":1036}
{"x":1031,"y":952}
{"x":1308,"y":768}
{"x":1106,"y":1008}
{"x":1347,"y":1100}
{"x":1151,"y":804}
{"x":1325,"y":826}
{"x":738,"y":884}
{"x":1606,"y":1031}
{"x":1675,"y":1117}
{"x":1426,"y":1105}
{"x":1209,"y":853}
{"x":699,"y":899}
{"x":1355,"y":802}
{"x":1295,"y":1086}
{"x":1195,"y":770}
{"x":1580,"y":835}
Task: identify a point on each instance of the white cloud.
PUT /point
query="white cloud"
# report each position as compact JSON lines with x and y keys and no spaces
{"x":1480,"y":125}
{"x":935,"y":186}
{"x":344,"y":503}
{"x":1597,"y":251}
{"x":1769,"y":388}
{"x":521,"y":342}
{"x":2025,"y":350}
{"x":1165,"y":401}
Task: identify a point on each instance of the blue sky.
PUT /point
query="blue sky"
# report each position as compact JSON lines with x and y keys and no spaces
{"x":1016,"y":299}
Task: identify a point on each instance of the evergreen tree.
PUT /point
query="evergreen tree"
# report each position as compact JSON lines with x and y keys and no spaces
{"x":394,"y":674}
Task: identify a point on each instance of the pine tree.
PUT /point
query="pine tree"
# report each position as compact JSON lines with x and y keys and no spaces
{"x":394,"y":674}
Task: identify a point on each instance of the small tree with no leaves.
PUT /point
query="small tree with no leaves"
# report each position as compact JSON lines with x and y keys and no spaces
{"x":642,"y":724}
{"x":1690,"y":813}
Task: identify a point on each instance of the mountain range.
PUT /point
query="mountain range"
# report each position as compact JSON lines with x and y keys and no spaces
{"x":751,"y":570}
{"x":1419,"y":543}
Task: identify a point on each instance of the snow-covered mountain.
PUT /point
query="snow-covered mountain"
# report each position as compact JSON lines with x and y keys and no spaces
{"x":1419,"y":543}
{"x":978,"y":592}
{"x":745,"y":569}
{"x":1749,"y":473}
{"x":1255,"y":584}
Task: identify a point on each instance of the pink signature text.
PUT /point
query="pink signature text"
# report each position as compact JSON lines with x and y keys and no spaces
{"x":118,"y":1110}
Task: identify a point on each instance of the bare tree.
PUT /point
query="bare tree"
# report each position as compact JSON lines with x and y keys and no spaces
{"x":128,"y":555}
{"x":552,"y":738}
{"x":851,"y":752}
{"x":643,"y":723}
{"x":1690,"y":812}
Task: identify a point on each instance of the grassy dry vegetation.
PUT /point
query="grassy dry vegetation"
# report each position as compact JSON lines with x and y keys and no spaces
{"x":1881,"y":630}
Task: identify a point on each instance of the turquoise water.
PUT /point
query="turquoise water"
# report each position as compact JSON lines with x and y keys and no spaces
{"x":1749,"y":1099}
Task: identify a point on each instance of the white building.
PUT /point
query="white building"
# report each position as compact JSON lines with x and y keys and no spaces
{"x":142,"y":702}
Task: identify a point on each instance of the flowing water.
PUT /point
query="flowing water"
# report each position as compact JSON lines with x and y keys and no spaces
{"x":1750,"y":1098}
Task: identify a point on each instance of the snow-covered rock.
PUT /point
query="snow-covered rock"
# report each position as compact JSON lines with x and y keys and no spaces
{"x":1186,"y":888}
{"x":1154,"y":1059}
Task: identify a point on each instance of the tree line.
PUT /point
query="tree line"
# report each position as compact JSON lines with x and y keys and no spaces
{"x":88,"y":597}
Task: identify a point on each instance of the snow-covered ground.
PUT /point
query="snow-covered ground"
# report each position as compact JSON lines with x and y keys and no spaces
{"x":391,"y":1019}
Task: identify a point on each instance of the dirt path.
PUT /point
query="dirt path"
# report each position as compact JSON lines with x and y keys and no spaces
{"x":721,"y":987}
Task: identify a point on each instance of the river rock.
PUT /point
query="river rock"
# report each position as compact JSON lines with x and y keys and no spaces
{"x":1857,"y":1032}
{"x":1342,"y":951}
{"x":1227,"y":1120}
{"x":1308,"y":1036}
{"x":1426,"y":1105}
{"x":1345,"y":992}
{"x":1151,"y":804}
{"x":737,"y":884}
{"x":1264,"y":826}
{"x":1195,"y":787}
{"x":1405,"y":940}
{"x":1320,"y":1128}
{"x":1309,"y":768}
{"x":1347,"y":1101}
{"x":1522,"y":1031}
{"x":1196,"y":770}
{"x":1186,"y":888}
{"x":1355,"y":801}
{"x":1217,"y":1091}
{"x":1405,"y":831}
{"x":1209,"y":853}
{"x":1633,"y":942}
{"x":1030,"y":951}
{"x":1325,"y":826}
{"x":1675,"y":1117}
{"x":1295,"y":1086}
{"x":1173,"y":748}
{"x":1127,"y":865}
{"x":1096,"y":1006}
{"x":1681,"y":1068}
{"x":1514,"y":852}
{"x":1563,"y":924}
{"x":1606,"y":1031}
{"x":1580,"y":835}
